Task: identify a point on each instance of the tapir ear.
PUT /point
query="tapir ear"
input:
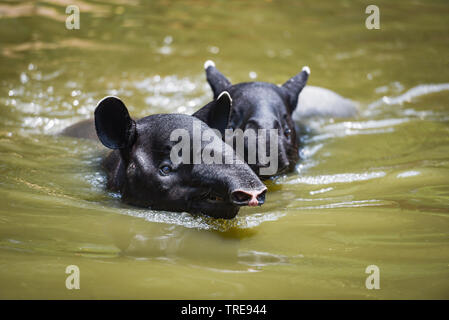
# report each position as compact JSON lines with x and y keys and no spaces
{"x":216,"y":113}
{"x":215,"y":78}
{"x":115,"y":128}
{"x":295,"y":85}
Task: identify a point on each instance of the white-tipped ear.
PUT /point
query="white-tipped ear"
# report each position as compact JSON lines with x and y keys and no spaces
{"x":226,"y":95}
{"x":217,"y":81}
{"x":208,"y":63}
{"x":306,"y":69}
{"x":216,"y":113}
{"x":294,"y":86}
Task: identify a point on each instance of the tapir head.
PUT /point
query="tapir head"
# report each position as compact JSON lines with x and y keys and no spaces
{"x":261,"y":105}
{"x":150,"y":174}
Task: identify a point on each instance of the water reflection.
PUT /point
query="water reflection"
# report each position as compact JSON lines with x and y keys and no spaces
{"x":211,"y":250}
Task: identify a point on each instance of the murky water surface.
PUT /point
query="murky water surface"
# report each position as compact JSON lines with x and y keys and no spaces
{"x":369,"y":191}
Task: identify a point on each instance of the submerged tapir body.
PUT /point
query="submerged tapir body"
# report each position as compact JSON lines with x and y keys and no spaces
{"x":262,"y":105}
{"x":141,"y":168}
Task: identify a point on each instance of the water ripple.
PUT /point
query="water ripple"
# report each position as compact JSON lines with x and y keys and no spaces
{"x":414,"y":92}
{"x":203,"y":222}
{"x":337,"y":178}
{"x":348,"y":204}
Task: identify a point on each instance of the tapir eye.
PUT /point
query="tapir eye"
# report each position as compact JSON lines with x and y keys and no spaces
{"x":287,"y":132}
{"x":165,"y":170}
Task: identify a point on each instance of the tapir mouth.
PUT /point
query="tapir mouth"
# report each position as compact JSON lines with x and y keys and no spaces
{"x":213,"y":197}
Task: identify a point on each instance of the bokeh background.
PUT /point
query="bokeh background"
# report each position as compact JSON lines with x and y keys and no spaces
{"x":368,"y":190}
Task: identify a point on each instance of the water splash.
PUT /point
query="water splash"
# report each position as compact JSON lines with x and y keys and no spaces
{"x":203,"y":222}
{"x":36,"y":98}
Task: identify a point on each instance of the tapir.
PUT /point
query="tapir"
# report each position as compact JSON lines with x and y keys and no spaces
{"x":140,"y":164}
{"x":263,"y":105}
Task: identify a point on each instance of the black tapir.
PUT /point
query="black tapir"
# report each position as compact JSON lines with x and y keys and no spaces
{"x":259,"y":105}
{"x":142,"y":170}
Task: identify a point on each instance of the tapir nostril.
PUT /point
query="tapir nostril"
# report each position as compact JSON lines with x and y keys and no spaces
{"x":248,"y":198}
{"x":240,"y":196}
{"x":261,"y":197}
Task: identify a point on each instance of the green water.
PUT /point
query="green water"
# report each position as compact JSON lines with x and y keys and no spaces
{"x":370,"y":191}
